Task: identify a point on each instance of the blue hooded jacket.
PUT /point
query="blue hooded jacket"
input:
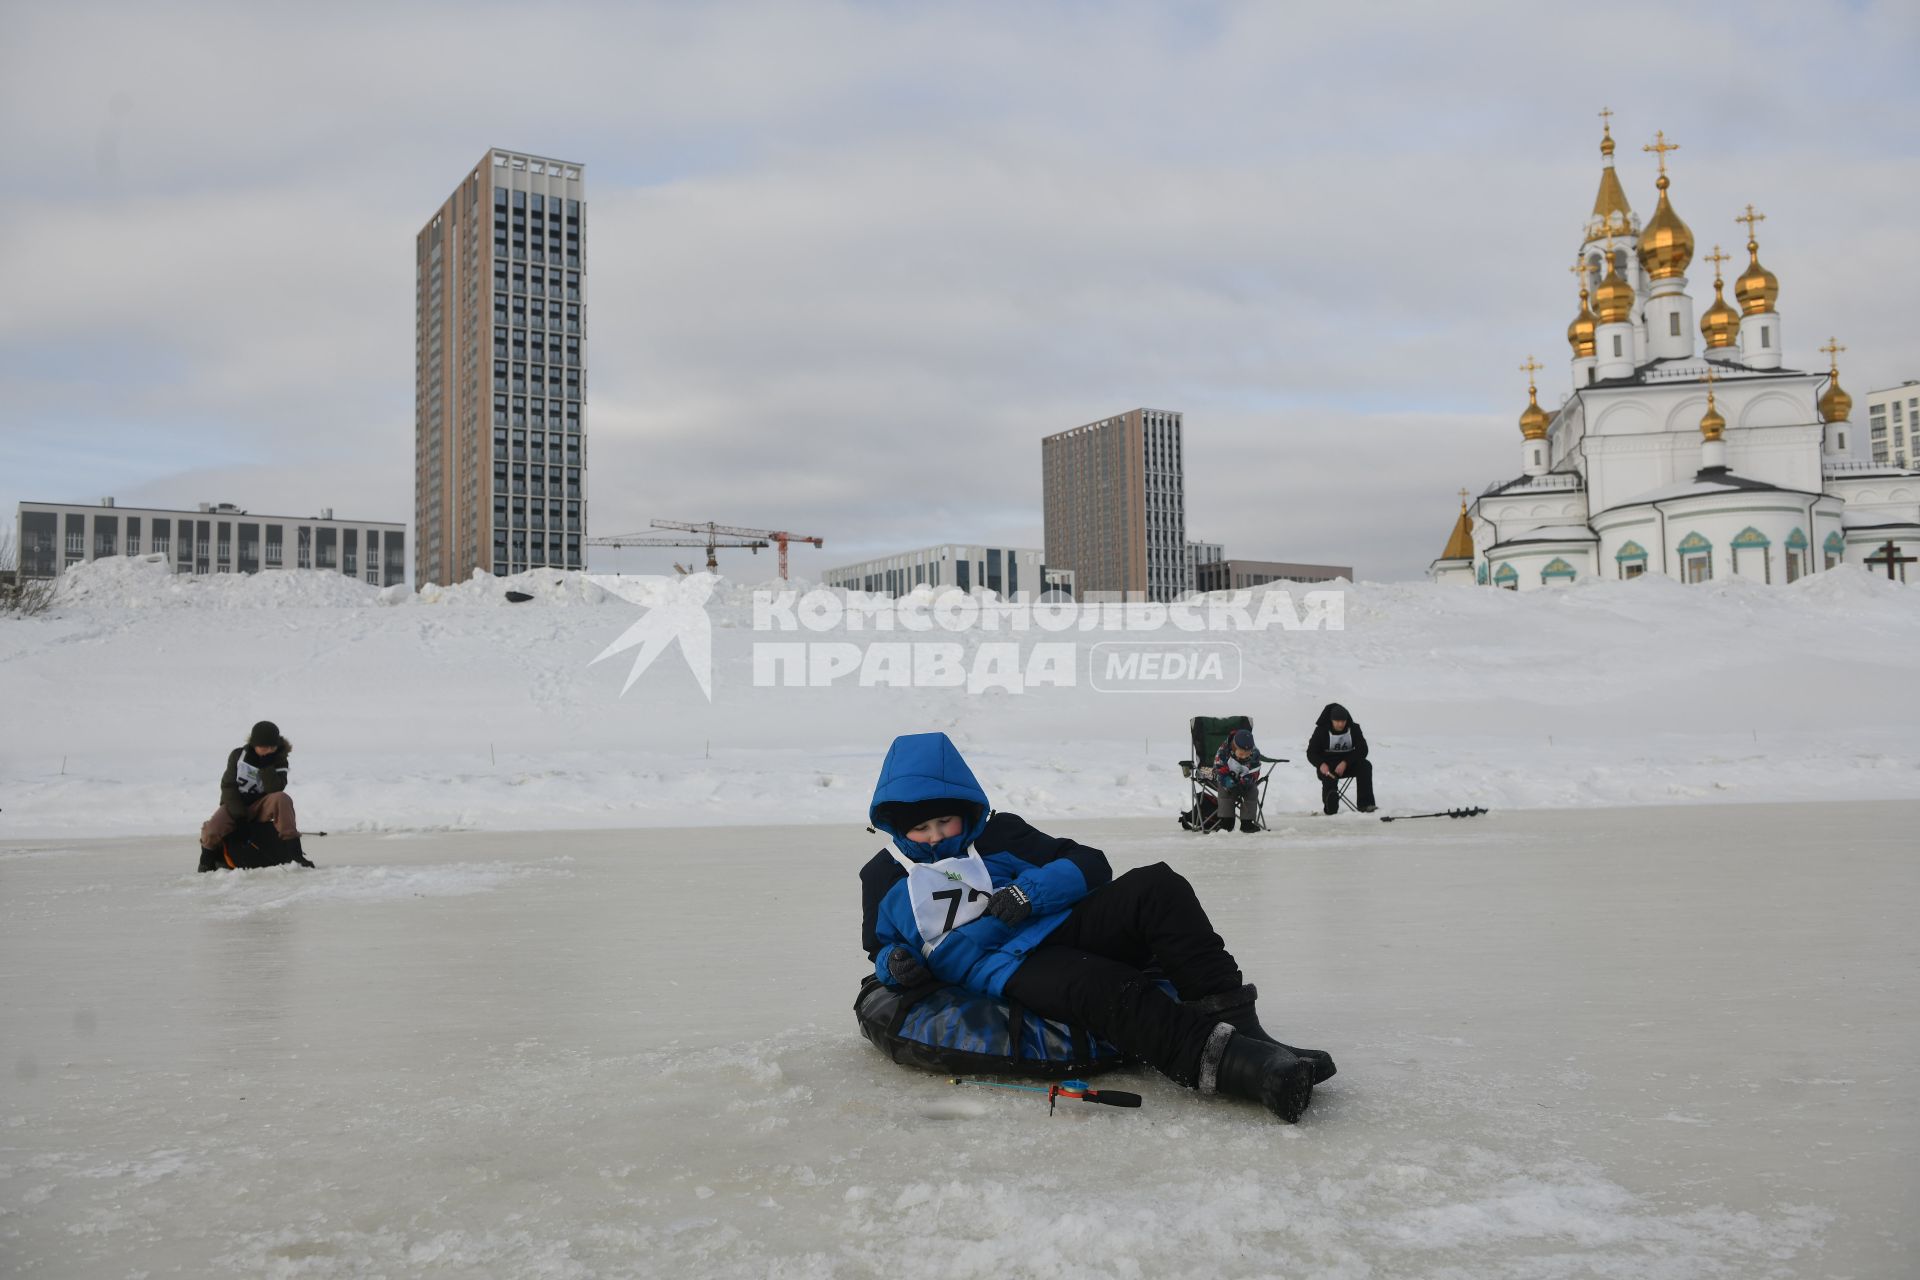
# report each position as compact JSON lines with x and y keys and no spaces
{"x":981,"y":954}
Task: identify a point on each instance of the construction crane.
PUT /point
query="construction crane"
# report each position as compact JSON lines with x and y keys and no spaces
{"x":711,"y":542}
{"x":779,"y":537}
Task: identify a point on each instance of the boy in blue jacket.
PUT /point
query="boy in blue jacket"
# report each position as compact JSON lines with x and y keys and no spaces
{"x":982,"y":900}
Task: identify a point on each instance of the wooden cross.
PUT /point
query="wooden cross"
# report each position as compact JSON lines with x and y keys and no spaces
{"x":1750,"y":217}
{"x":1661,"y":146}
{"x":1889,"y":556}
{"x":1530,"y":368}
{"x":1716,"y":258}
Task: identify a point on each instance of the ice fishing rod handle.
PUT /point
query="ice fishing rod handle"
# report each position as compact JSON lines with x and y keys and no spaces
{"x":1112,"y":1098}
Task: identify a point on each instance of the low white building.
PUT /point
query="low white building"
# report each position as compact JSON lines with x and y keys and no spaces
{"x":218,"y":538}
{"x":1006,"y":571}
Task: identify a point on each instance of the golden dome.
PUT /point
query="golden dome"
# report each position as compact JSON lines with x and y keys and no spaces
{"x":1460,"y":545}
{"x":1757,"y":288}
{"x":1580,"y":332}
{"x":1712,"y":425}
{"x":1835,"y":404}
{"x":1666,"y":245}
{"x":1613,"y":300}
{"x":1612,"y":215}
{"x":1533,"y":419}
{"x":1721,"y":323}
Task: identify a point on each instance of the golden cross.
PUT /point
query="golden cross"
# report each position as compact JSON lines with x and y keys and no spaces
{"x":1463,"y":497}
{"x":1833,"y":350}
{"x":1661,"y":146}
{"x":1529,"y":368}
{"x":1606,"y":119}
{"x":1711,"y":376}
{"x":1750,"y":217}
{"x":1716,"y":258}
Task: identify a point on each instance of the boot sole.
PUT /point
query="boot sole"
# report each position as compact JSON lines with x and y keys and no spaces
{"x":1286,"y":1092}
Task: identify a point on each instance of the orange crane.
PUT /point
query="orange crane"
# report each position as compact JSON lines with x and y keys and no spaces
{"x":779,"y":537}
{"x":710,"y":542}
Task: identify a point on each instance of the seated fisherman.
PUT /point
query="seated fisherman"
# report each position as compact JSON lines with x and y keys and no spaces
{"x":253,"y":789}
{"x":1338,"y":750}
{"x":982,"y":900}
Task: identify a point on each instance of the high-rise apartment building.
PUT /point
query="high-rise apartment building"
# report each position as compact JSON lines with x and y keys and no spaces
{"x":1116,"y":507}
{"x":500,"y":372}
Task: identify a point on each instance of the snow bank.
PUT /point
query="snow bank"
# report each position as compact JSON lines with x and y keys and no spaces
{"x":456,"y":709}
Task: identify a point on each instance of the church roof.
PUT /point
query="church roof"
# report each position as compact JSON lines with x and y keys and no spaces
{"x":1519,"y":483}
{"x":1639,"y":377}
{"x":1460,"y":545}
{"x":1705,"y":483}
{"x":1549,"y":533}
{"x":1851,"y":519}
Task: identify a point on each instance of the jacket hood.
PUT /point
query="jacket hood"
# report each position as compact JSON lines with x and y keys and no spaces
{"x":1334,"y":711}
{"x":927,"y":766}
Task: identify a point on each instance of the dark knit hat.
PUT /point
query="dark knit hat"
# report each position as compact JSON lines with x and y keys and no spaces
{"x":903,"y":816}
{"x":265,"y":734}
{"x":1243,"y":738}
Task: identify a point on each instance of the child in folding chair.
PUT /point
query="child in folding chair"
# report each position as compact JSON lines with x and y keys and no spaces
{"x":1236,"y":772}
{"x":1337,"y":751}
{"x":985,"y":902}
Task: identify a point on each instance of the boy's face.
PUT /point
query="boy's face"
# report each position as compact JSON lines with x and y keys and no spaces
{"x":934,"y":830}
{"x":1339,"y":726}
{"x":264,"y":750}
{"x":1242,"y":753}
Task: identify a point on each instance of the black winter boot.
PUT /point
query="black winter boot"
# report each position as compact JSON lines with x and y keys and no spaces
{"x":210,"y":860}
{"x":1236,"y":1008}
{"x":1248,"y":827}
{"x":293,"y":846}
{"x":1255,"y":1071}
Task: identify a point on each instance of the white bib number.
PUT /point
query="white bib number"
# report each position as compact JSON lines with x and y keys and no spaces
{"x":945,"y":894}
{"x":247,"y":777}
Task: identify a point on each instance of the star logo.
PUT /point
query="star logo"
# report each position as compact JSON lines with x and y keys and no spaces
{"x":676,"y":611}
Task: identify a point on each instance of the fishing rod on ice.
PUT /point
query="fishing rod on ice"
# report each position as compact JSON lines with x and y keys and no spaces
{"x":1078,"y":1089}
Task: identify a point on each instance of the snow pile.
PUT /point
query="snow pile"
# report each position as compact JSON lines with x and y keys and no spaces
{"x":456,"y":709}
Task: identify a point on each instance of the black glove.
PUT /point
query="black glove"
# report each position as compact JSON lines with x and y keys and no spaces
{"x":906,"y":969}
{"x":1010,"y":905}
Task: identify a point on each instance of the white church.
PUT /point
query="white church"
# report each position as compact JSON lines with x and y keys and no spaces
{"x":1696,"y":461}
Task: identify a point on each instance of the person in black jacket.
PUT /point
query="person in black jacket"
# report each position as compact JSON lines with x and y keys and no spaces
{"x":253,"y":789}
{"x":1338,"y":750}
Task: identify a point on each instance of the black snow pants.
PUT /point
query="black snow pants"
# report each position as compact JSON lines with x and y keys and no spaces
{"x":1330,"y":787}
{"x":1089,"y":970}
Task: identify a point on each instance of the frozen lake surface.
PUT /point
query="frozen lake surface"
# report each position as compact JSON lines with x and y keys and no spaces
{"x":1657,"y":1042}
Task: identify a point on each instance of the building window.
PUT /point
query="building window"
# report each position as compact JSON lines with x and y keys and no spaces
{"x":1616,"y":346}
{"x":1766,"y":336}
{"x":1673,"y":324}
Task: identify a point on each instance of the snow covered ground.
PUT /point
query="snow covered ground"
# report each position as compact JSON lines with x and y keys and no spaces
{"x":455,"y":710}
{"x":1678,"y":1042}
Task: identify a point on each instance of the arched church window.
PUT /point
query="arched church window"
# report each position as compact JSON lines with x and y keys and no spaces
{"x":1757,"y":548}
{"x":1796,"y":555}
{"x":1835,"y":547}
{"x":1557,"y":570}
{"x":1696,"y":559}
{"x":1630,"y":559}
{"x":1506,"y":577}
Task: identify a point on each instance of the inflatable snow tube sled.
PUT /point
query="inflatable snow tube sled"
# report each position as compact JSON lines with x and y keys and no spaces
{"x":949,"y":1029}
{"x":256,"y":844}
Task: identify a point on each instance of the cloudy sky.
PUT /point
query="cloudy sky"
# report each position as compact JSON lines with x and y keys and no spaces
{"x":849,"y":262}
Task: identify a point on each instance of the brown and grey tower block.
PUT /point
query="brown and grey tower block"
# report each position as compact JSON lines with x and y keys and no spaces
{"x":500,"y":372}
{"x":1116,"y":509}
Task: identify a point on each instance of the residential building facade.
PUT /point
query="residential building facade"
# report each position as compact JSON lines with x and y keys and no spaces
{"x":1893,"y":424}
{"x":1005,"y":571}
{"x":217,"y":538}
{"x":1237,"y":575}
{"x":500,"y":372}
{"x":1116,"y":509}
